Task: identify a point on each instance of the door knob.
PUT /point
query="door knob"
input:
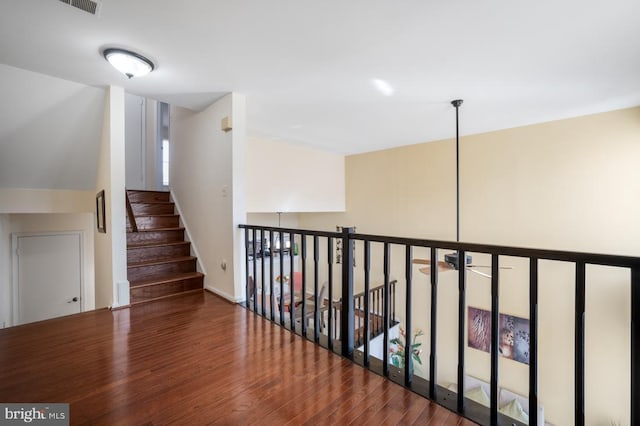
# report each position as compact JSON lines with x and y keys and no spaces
{"x":75,"y":299}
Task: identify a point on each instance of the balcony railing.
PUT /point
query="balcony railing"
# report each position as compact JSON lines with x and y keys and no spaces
{"x":316,"y":258}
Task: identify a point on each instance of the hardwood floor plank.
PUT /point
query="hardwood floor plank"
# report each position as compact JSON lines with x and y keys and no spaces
{"x":195,"y":359}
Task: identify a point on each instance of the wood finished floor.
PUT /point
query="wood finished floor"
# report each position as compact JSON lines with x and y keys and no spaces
{"x":196,"y":359}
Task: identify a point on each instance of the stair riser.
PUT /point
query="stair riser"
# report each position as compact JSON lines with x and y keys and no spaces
{"x":158,"y":271}
{"x":141,"y":254}
{"x":147,"y":197}
{"x":155,"y":237}
{"x":141,"y":294}
{"x":154,"y":222}
{"x":161,"y":208}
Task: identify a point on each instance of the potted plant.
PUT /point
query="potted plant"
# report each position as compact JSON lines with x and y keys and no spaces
{"x":397,"y":349}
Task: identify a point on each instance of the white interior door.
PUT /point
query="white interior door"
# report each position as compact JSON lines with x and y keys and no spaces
{"x":47,"y":276}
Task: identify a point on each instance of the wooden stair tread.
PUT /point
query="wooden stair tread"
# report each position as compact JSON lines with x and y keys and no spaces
{"x":168,"y":278}
{"x":148,"y":190}
{"x":161,"y":261}
{"x":154,"y":244}
{"x":152,"y":299}
{"x":151,"y":202}
{"x":180,"y":228}
{"x":157,"y":215}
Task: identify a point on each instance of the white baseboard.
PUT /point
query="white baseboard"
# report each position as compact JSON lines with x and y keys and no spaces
{"x":224,"y":294}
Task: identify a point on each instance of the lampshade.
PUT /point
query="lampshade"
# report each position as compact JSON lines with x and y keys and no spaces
{"x":129,"y":63}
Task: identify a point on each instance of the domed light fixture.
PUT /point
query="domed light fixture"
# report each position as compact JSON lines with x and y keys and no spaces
{"x":127,"y":62}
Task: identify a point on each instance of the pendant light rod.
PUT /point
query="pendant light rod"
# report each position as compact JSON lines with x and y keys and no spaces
{"x":456,"y":103}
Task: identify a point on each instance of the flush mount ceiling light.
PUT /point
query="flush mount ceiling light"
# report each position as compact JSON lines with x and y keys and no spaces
{"x":127,"y":62}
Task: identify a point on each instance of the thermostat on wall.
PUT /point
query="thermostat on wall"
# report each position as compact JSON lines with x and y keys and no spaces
{"x":226,"y":124}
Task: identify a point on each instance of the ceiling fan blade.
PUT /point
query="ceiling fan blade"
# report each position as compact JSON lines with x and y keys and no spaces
{"x":489,"y":266}
{"x":442,"y":267}
{"x":422,"y":261}
{"x":482,"y":274}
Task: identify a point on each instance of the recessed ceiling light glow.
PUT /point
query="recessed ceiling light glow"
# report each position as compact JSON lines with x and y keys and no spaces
{"x":128,"y":63}
{"x":382,"y":86}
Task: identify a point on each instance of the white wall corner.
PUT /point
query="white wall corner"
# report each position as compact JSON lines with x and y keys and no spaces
{"x":187,"y":234}
{"x":224,"y":294}
{"x":121,"y":297}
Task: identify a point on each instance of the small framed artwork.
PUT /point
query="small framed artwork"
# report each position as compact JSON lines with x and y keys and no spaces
{"x":100,"y":212}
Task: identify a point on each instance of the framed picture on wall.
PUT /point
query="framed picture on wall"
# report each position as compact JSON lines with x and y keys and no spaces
{"x":100,"y":212}
{"x":513,"y":339}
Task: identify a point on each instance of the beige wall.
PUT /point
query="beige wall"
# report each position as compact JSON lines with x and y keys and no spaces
{"x":207,"y":179}
{"x":314,"y":179}
{"x":570,"y":184}
{"x":16,"y":200}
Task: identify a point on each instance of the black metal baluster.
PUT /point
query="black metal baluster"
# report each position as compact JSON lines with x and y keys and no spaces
{"x":254,"y":296}
{"x":408,"y":351}
{"x":367,"y":307}
{"x":635,"y":345}
{"x":316,"y":318}
{"x":433,"y":333}
{"x":292,"y":284}
{"x":495,"y":335}
{"x":385,"y":319}
{"x":393,"y":299}
{"x":262,"y":275}
{"x":347,"y":324}
{"x":579,"y":343}
{"x":303,"y":253}
{"x":272,"y":297}
{"x":280,"y":256}
{"x":246,"y":257}
{"x":533,"y":341}
{"x":377,"y":312}
{"x":330,"y":313}
{"x":462,"y":302}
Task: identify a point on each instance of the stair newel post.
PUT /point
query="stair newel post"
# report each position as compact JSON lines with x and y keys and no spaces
{"x":347,"y":307}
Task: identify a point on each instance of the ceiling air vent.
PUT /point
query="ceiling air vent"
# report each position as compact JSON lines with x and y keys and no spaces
{"x":93,"y":7}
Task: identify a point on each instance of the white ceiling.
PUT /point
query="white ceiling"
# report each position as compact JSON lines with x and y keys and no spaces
{"x":307,"y":67}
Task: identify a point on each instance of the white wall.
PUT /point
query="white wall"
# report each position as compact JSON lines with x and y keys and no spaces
{"x":283,"y":177}
{"x":207,"y":172}
{"x":151,"y":141}
{"x":49,"y":132}
{"x":5,"y":270}
{"x":135,"y":141}
{"x":570,"y":184}
{"x":111,"y":248}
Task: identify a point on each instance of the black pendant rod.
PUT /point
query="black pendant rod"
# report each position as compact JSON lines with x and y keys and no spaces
{"x":456,"y":103}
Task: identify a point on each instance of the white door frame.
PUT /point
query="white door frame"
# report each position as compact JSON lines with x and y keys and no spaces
{"x":15,"y":287}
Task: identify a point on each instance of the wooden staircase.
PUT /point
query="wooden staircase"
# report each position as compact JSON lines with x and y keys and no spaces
{"x":159,"y":261}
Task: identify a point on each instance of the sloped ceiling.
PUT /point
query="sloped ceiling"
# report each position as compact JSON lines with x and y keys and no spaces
{"x":308,"y":69}
{"x":50,"y":131}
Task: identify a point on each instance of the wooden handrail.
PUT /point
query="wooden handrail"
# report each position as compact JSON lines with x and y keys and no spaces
{"x":132,"y":218}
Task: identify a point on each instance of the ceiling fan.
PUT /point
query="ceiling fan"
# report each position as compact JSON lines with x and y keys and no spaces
{"x":451,"y":262}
